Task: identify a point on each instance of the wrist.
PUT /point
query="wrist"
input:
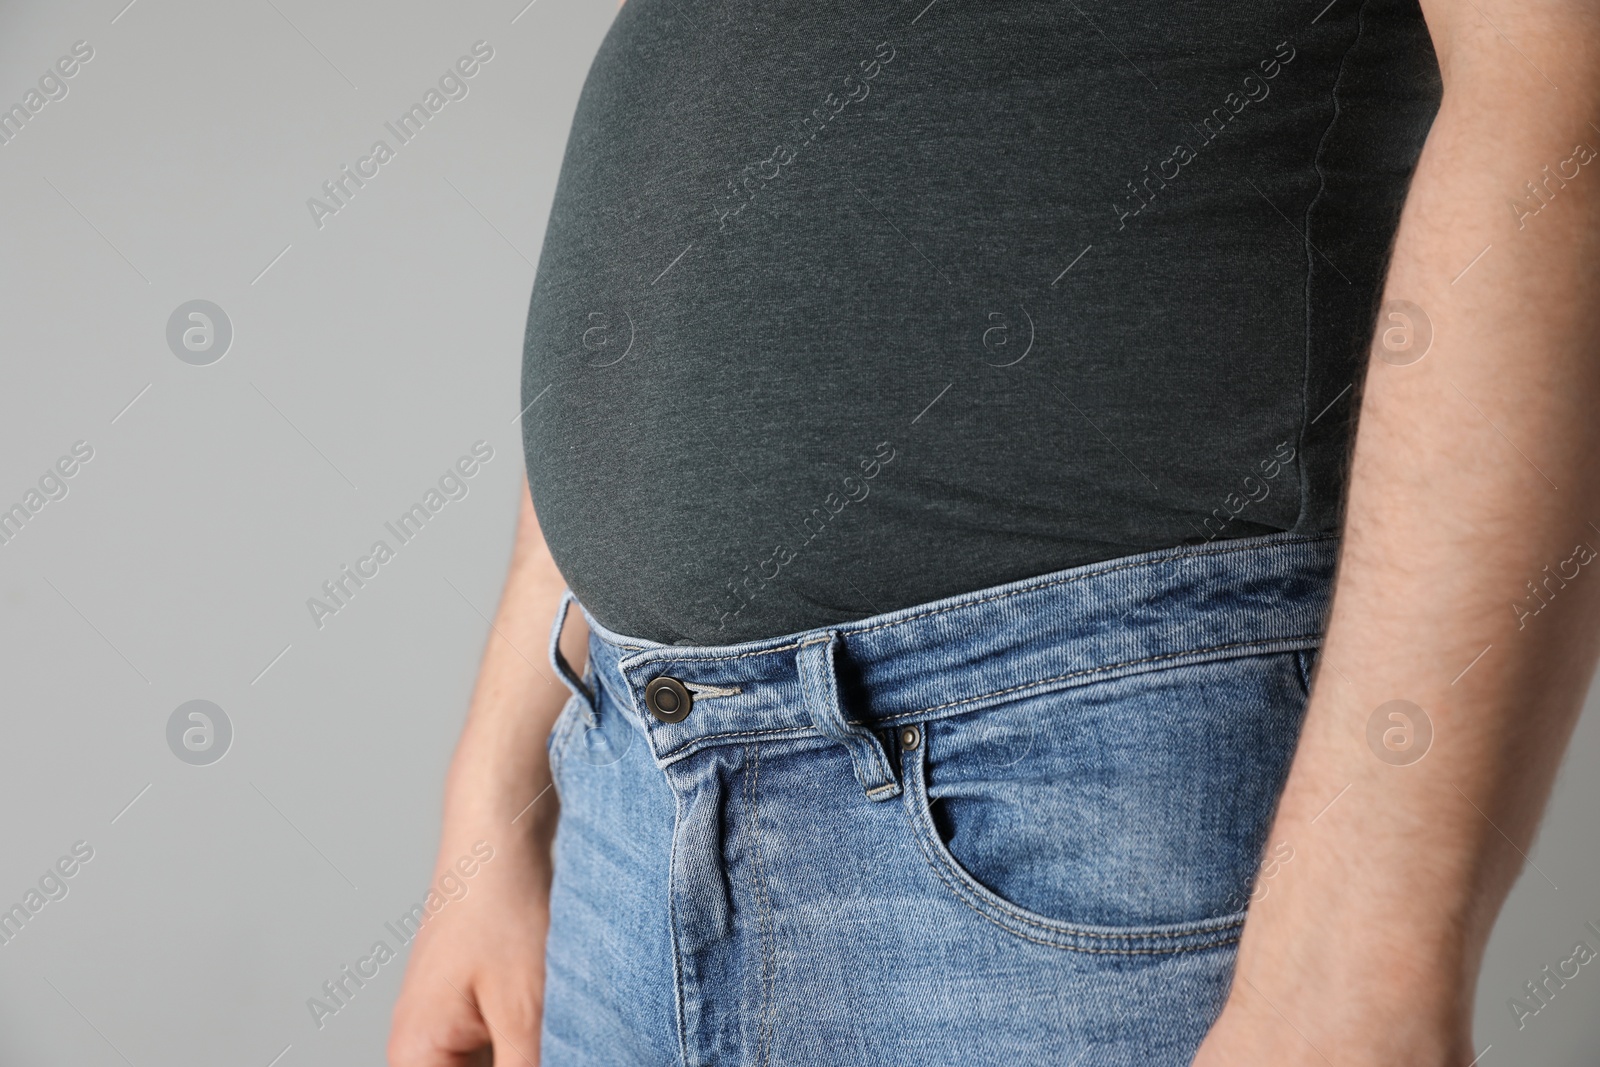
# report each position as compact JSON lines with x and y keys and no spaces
{"x":500,"y":777}
{"x":1337,"y":972}
{"x":522,"y":818}
{"x":1310,"y":942}
{"x":513,"y":808}
{"x":1362,"y":943}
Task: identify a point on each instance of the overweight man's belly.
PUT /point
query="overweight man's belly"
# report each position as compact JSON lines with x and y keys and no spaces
{"x":845,"y":307}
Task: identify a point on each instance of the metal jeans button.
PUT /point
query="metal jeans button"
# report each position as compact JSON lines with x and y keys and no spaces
{"x":668,"y":699}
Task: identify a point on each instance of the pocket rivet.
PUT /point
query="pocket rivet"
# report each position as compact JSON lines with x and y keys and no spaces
{"x":910,"y":737}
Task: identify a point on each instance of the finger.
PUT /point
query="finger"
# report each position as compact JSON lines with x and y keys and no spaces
{"x":445,"y":1048}
{"x":445,"y":1032}
{"x":513,"y":1017}
{"x":519,"y":1053}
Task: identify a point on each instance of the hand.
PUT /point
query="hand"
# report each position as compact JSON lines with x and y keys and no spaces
{"x":476,"y":975}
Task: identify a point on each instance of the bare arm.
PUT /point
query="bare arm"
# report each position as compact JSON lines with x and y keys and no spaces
{"x":476,"y":974}
{"x":1475,"y":473}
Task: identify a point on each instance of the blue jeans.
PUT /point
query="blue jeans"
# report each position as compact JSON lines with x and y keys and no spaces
{"x":1018,"y":826}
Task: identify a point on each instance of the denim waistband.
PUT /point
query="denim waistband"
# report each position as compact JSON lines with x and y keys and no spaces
{"x":967,"y":652}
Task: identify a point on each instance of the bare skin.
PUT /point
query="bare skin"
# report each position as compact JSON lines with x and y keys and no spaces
{"x":1365,"y":948}
{"x":476,"y":974}
{"x":1473,"y":472}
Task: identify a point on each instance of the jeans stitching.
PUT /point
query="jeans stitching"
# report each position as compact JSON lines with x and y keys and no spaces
{"x":846,"y":632}
{"x":818,"y":700}
{"x":738,"y":655}
{"x":560,"y":737}
{"x":795,"y":731}
{"x":798,"y":731}
{"x":919,"y":812}
{"x":603,"y":686}
{"x":1086,"y":671}
{"x":672,"y":930}
{"x":763,"y":903}
{"x":1173,"y":951}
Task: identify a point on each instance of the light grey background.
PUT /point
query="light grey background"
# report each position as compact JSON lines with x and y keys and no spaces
{"x":368,"y":355}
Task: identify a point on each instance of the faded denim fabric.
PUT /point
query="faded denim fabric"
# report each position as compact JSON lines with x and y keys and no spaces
{"x":1017,"y":826}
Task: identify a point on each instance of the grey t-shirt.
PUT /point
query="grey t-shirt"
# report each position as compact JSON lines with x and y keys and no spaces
{"x":846,"y":307}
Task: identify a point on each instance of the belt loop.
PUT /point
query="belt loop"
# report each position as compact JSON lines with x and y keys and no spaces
{"x":563,"y":668}
{"x":815,"y":662}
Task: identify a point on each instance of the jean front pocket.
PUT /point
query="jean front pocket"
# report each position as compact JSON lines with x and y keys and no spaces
{"x":1126,"y":815}
{"x":569,"y":720}
{"x":579,"y":740}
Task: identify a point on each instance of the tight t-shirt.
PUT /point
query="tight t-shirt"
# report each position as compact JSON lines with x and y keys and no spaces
{"x":847,"y":307}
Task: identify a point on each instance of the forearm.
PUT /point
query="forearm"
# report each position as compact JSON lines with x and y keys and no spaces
{"x":476,"y":974}
{"x":1474,"y":471}
{"x":500,"y":774}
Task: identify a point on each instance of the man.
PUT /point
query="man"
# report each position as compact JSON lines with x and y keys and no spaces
{"x":1068,"y":909}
